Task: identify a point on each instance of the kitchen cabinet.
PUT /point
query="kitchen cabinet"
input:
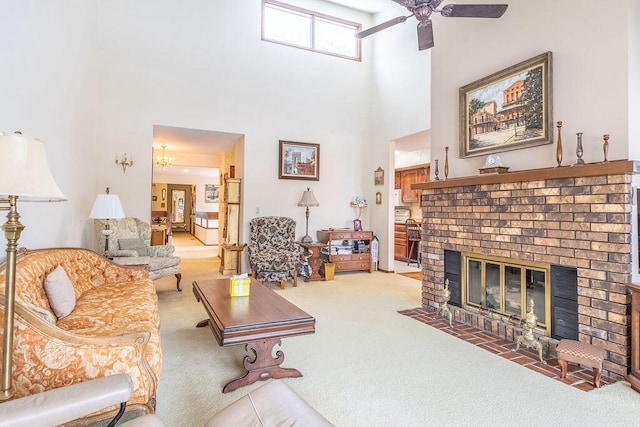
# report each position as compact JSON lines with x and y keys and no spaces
{"x":410,"y":176}
{"x":400,"y":242}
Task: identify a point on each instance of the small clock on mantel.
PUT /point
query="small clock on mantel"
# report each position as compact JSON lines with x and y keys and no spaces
{"x":493,"y":164}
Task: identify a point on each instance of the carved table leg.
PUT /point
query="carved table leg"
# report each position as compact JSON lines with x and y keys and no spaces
{"x":263,"y":366}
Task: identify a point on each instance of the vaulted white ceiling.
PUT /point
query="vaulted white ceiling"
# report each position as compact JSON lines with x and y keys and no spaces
{"x":371,"y":6}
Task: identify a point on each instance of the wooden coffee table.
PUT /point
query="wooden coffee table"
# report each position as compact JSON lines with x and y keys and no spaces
{"x":259,"y":321}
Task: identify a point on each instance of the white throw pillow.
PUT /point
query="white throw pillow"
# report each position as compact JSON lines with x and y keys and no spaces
{"x":60,"y":292}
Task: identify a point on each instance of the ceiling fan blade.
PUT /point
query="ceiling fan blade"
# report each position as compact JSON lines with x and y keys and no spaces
{"x":474,"y":10}
{"x":425,"y":35}
{"x":380,"y":27}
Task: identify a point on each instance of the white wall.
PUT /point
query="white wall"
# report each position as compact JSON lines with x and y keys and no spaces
{"x":401,"y":106}
{"x":634,"y":80}
{"x":96,"y":76}
{"x":47,"y":91}
{"x":590,"y":75}
{"x":205,"y":67}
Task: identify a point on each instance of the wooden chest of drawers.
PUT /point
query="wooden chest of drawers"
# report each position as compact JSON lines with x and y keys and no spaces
{"x":347,"y":262}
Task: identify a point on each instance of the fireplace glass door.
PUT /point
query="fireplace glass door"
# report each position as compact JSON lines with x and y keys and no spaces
{"x":505,"y":288}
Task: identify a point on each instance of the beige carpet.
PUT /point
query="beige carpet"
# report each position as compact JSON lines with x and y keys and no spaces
{"x":367,"y":365}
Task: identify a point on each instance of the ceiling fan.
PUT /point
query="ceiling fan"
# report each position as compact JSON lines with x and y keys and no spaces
{"x":422,"y":10}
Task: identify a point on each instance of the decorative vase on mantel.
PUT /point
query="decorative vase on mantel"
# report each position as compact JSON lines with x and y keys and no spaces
{"x":579,"y":151}
{"x":559,"y":146}
{"x":605,"y":146}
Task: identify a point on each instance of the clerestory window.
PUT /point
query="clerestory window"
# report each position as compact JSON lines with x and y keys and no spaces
{"x":305,"y":29}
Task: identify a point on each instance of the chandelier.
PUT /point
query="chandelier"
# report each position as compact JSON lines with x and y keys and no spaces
{"x":163,"y":161}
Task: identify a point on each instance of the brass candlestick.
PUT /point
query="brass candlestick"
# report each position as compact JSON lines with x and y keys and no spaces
{"x":559,"y":147}
{"x":443,"y":310}
{"x":436,"y":172}
{"x":605,"y":146}
{"x":446,"y":162}
{"x":528,"y":339}
{"x":579,"y":151}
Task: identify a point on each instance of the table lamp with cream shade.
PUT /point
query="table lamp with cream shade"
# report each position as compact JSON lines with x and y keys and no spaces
{"x":307,"y":200}
{"x":24,"y":175}
{"x":107,"y":206}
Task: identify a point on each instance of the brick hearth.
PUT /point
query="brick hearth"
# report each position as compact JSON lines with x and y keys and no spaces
{"x":576,"y":217}
{"x":577,"y":376}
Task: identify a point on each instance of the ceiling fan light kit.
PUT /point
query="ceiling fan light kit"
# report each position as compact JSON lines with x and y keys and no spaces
{"x":422,"y":11}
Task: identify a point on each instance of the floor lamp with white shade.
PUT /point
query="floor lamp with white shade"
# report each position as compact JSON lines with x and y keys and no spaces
{"x":24,"y":175}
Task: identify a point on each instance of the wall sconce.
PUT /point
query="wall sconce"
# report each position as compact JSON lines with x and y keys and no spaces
{"x":124,"y":162}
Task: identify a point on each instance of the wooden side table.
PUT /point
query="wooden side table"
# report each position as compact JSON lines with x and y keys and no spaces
{"x":231,"y":261}
{"x":315,"y":260}
{"x":158,"y":235}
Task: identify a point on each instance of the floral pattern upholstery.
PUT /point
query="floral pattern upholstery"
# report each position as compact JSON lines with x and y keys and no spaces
{"x":162,"y":262}
{"x":273,"y":255}
{"x":114,"y":327}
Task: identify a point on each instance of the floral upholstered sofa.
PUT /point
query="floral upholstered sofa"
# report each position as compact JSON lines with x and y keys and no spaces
{"x":112,"y":326}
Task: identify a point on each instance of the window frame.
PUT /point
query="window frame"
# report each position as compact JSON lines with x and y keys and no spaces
{"x":313,"y":15}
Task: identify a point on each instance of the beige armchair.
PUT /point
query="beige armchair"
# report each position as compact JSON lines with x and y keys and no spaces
{"x":131,"y":237}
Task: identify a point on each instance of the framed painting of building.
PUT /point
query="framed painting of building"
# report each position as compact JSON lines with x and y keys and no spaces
{"x":299,"y":160}
{"x":508,"y":110}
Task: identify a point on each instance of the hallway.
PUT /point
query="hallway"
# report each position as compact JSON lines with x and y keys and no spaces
{"x":187,"y":246}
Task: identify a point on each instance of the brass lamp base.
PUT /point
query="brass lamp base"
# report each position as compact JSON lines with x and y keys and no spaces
{"x":306,"y":239}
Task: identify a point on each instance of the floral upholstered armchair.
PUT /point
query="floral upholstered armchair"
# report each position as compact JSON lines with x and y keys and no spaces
{"x":131,"y":237}
{"x":273,"y":255}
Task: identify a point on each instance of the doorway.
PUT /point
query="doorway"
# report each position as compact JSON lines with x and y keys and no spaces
{"x":194,"y":160}
{"x":177,"y":209}
{"x":410,"y":153}
{"x":180,"y":207}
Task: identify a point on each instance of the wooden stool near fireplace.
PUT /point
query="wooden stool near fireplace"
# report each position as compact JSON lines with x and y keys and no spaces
{"x":583,"y":354}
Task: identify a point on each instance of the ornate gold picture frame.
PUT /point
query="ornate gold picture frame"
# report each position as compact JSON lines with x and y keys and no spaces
{"x":508,"y":110}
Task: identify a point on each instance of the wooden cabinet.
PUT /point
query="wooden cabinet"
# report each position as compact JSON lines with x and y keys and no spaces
{"x":634,"y":371}
{"x":397,"y":180}
{"x":158,"y":235}
{"x":347,"y":255}
{"x":205,"y":227}
{"x":230,"y":209}
{"x":400,"y":242}
{"x":409,"y":176}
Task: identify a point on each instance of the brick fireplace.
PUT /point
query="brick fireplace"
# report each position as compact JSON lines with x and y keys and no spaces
{"x":578,"y":218}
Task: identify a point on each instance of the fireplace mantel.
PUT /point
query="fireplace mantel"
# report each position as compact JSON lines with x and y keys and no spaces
{"x":617,"y":167}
